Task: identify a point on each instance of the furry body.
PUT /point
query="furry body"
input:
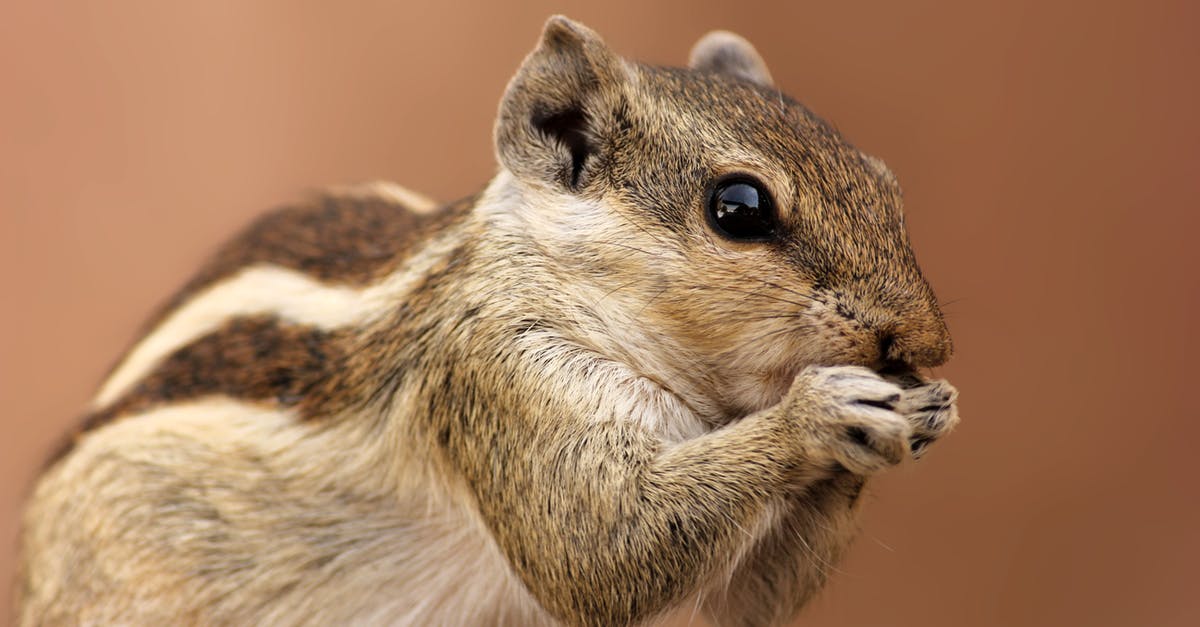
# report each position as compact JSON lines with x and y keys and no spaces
{"x":565,"y":400}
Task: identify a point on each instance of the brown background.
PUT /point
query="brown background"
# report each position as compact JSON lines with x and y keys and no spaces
{"x":1049,"y":152}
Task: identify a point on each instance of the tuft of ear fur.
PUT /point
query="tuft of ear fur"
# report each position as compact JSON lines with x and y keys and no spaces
{"x":724,"y":52}
{"x":558,"y":108}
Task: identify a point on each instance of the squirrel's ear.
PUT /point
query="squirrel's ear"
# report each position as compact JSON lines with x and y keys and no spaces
{"x":724,"y":52}
{"x":559,"y":107}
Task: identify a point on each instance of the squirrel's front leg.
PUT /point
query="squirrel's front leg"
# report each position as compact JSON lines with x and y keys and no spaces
{"x":607,"y":525}
{"x":794,"y":559}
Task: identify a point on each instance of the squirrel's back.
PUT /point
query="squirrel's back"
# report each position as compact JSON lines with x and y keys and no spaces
{"x":226,"y":378}
{"x":260,"y":320}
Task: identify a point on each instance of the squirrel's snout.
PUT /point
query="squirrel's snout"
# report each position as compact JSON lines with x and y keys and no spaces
{"x":904,"y":338}
{"x":923,"y":346}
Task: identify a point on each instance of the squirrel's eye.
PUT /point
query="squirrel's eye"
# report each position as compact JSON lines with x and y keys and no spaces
{"x":740,"y":209}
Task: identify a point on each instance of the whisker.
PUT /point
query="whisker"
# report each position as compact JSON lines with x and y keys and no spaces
{"x":794,"y":316}
{"x":801,"y":329}
{"x":787,"y":289}
{"x":695,"y":608}
{"x":617,"y":289}
{"x":820,"y":564}
{"x":651,"y":300}
{"x":881,"y":543}
{"x":641,"y":228}
{"x":628,"y":247}
{"x":748,"y":293}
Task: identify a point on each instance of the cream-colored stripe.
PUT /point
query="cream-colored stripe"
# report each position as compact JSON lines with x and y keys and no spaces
{"x":258,"y":290}
{"x":413,"y":201}
{"x":269,"y":290}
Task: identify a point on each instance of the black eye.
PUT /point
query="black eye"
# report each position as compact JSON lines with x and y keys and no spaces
{"x":740,"y":209}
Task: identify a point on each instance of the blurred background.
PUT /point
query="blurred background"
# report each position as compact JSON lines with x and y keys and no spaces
{"x":1049,"y":150}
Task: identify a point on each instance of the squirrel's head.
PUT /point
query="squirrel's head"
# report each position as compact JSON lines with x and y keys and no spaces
{"x":718,"y":219}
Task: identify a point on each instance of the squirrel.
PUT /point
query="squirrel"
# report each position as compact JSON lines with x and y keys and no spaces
{"x":650,"y":366}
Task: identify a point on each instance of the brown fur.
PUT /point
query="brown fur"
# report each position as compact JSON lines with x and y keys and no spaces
{"x":573,"y":401}
{"x":342,"y":238}
{"x":350,"y":236}
{"x":345,"y":237}
{"x":253,"y":358}
{"x":257,"y":358}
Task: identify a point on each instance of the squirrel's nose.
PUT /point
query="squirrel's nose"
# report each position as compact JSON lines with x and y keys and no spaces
{"x":922,"y":345}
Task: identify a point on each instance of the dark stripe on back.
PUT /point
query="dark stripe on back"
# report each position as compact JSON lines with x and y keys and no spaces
{"x":256,"y":358}
{"x":337,"y":238}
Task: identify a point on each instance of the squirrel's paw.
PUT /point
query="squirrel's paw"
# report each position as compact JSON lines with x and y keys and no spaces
{"x":853,"y":417}
{"x":932,"y":410}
